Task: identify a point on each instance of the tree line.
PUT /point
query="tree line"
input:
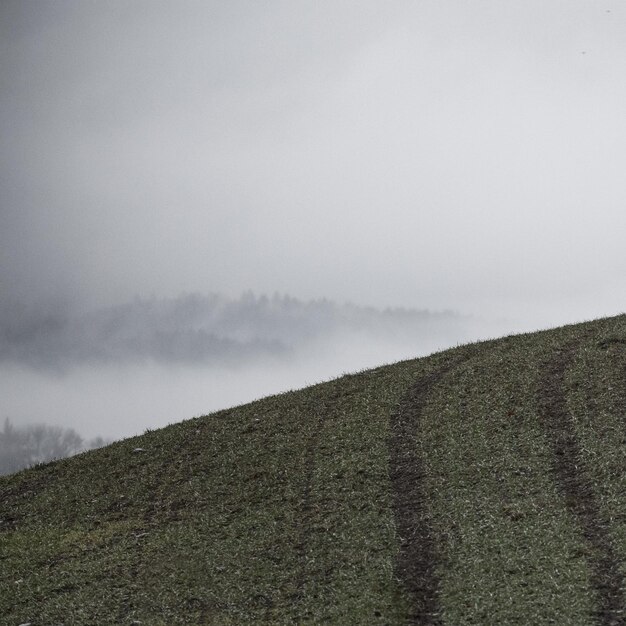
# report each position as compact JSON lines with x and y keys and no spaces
{"x":25,"y":446}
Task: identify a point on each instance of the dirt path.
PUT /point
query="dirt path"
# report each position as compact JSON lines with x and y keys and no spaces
{"x":577,"y":489}
{"x":417,"y":558}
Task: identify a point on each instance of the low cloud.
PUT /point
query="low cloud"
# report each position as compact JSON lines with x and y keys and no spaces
{"x":118,"y":370}
{"x":212,"y":329}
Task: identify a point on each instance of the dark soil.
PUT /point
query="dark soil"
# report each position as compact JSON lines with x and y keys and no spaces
{"x":577,"y":488}
{"x":416,"y":560}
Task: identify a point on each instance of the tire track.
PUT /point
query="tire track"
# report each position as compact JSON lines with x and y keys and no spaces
{"x":574,"y":483}
{"x":306,"y":510}
{"x":416,"y":561}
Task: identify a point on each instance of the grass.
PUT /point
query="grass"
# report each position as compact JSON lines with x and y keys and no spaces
{"x":315,"y":505}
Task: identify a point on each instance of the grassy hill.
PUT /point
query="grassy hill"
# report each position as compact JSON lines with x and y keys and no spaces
{"x":481,"y":485}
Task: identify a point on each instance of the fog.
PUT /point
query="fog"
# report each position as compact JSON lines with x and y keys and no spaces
{"x":116,"y":371}
{"x":439,"y":155}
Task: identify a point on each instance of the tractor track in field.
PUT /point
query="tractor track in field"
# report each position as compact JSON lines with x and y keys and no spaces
{"x":306,"y":510}
{"x":577,"y":489}
{"x":417,"y":557}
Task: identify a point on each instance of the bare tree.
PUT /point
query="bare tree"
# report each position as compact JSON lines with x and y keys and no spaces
{"x":25,"y":446}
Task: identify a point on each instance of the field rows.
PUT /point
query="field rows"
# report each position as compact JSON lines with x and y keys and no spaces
{"x":481,"y":485}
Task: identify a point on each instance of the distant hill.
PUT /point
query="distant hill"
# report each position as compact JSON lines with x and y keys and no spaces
{"x":213,"y":329}
{"x":481,"y":485}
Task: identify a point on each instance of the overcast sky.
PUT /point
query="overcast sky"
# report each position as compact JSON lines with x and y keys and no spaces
{"x":432,"y":154}
{"x":428,"y":154}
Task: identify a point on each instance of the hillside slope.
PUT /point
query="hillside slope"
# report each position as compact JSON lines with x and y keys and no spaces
{"x":481,"y":485}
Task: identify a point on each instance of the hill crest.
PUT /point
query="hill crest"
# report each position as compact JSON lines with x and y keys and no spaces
{"x":482,"y":484}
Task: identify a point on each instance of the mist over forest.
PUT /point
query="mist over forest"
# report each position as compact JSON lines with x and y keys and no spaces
{"x":115,"y":371}
{"x":195,"y":329}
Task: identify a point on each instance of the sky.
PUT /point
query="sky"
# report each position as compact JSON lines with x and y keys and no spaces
{"x":438,"y":154}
